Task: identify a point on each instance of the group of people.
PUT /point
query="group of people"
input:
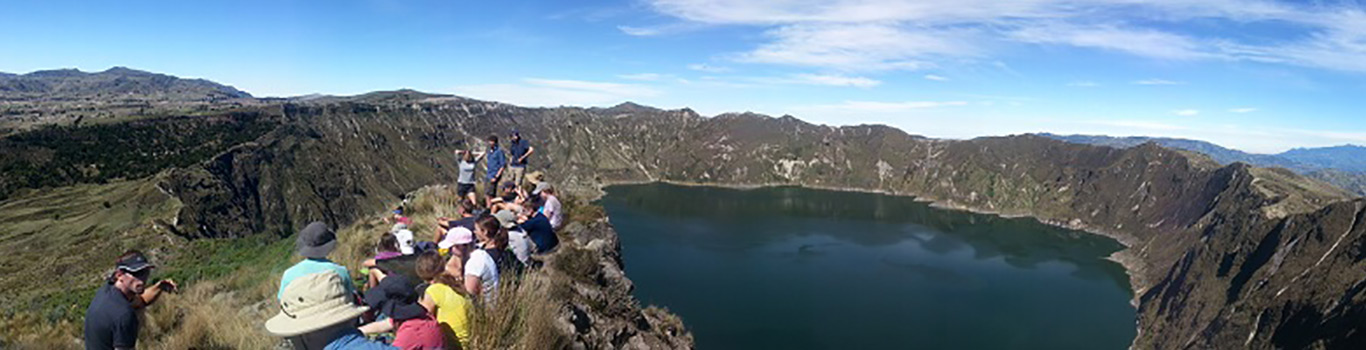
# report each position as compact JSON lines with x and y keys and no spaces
{"x":416,"y":294}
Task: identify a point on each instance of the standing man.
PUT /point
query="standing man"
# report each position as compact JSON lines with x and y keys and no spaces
{"x":520,"y":151}
{"x":111,"y":321}
{"x":497,"y":161}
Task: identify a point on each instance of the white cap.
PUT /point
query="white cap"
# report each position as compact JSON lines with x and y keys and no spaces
{"x":405,"y":241}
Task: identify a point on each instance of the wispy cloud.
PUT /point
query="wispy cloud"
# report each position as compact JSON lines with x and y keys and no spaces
{"x":935,"y":77}
{"x":1138,"y":124}
{"x":857,"y":47}
{"x":1186,"y":112}
{"x":1158,"y":82}
{"x":882,"y":107}
{"x":903,"y":34}
{"x":708,"y":68}
{"x":553,"y":92}
{"x":640,"y":31}
{"x":1083,"y":83}
{"x":662,"y":29}
{"x":644,"y":76}
{"x":835,"y":80}
{"x":1243,"y":110}
{"x":1137,"y":41}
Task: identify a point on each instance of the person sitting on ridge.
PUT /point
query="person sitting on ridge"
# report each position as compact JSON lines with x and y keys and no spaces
{"x":315,"y":241}
{"x":445,"y":299}
{"x":317,"y":312}
{"x":538,"y":227}
{"x":518,"y":241}
{"x":388,"y":248}
{"x":397,"y":298}
{"x":481,"y":269}
{"x":551,"y":203}
{"x":398,"y":217}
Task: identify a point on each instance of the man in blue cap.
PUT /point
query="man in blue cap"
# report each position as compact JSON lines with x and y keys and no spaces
{"x":520,"y":150}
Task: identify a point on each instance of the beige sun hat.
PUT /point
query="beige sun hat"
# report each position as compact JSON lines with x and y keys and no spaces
{"x":535,"y":177}
{"x":313,"y":302}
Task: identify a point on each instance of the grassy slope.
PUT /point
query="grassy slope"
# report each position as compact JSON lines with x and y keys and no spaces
{"x":228,"y":285}
{"x":59,"y":244}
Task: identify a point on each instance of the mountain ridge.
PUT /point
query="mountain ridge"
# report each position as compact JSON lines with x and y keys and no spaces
{"x":1216,"y":253}
{"x":72,"y":83}
{"x":1343,"y":166}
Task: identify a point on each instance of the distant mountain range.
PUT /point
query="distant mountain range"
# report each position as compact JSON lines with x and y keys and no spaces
{"x":114,"y":83}
{"x":1343,"y":166}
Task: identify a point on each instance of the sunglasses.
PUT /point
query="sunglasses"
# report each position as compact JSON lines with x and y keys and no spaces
{"x":141,"y":275}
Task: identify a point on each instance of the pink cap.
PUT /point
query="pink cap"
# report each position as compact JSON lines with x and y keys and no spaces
{"x":456,"y":236}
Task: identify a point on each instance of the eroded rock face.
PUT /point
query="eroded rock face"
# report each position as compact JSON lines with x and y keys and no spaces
{"x":602,"y":314}
{"x":1211,"y":266}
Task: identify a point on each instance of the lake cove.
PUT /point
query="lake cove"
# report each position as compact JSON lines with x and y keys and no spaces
{"x":793,"y":268}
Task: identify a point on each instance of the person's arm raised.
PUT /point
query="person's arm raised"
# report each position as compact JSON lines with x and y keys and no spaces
{"x":151,"y":294}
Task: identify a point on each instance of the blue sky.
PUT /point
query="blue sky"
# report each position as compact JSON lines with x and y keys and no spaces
{"x":1262,"y":76}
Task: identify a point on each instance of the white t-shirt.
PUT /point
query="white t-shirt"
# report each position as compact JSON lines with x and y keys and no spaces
{"x":520,"y":244}
{"x":466,"y":172}
{"x":481,"y":264}
{"x":552,"y":211}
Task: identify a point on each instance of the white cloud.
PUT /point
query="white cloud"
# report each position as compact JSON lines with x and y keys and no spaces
{"x":1083,"y":83}
{"x":643,"y":76}
{"x":835,"y":80}
{"x":707,"y":68}
{"x":551,"y":92}
{"x":1137,"y":124}
{"x":1186,"y":112}
{"x":915,"y":34}
{"x":639,"y":31}
{"x":1243,"y":110}
{"x":858,"y":47}
{"x":881,"y":107}
{"x":1158,"y":82}
{"x":935,"y":77}
{"x":663,"y":29}
{"x":1141,"y":42}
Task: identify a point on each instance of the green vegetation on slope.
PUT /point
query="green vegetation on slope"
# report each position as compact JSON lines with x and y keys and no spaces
{"x":56,"y":156}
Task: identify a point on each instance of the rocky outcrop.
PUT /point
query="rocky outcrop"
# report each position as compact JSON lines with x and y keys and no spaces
{"x":600,"y":312}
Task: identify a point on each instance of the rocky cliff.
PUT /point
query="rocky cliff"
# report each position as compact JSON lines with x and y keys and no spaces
{"x":1220,"y":256}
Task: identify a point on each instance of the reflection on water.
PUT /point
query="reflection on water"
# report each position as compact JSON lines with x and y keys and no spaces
{"x":799,"y":268}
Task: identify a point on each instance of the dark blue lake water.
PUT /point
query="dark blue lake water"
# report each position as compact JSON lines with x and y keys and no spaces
{"x":791,"y":268}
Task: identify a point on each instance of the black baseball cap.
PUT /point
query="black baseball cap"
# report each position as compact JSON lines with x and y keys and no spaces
{"x":134,"y":261}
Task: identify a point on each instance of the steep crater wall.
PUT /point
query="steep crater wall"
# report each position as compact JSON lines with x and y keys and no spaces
{"x":1211,"y":265}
